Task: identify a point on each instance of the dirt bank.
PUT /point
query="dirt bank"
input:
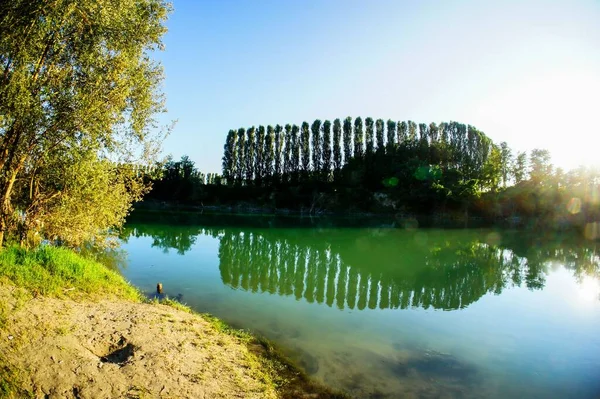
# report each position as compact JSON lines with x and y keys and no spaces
{"x":60,"y":348}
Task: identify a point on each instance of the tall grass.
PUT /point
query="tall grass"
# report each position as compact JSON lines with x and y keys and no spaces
{"x":60,"y":272}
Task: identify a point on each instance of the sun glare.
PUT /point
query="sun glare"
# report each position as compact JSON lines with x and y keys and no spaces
{"x":589,"y":290}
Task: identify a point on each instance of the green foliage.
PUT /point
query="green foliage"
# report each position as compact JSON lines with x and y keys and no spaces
{"x":295,"y":152}
{"x":358,"y":138}
{"x":541,"y":168}
{"x":250,"y":154}
{"x":337,"y":148}
{"x":230,"y":157}
{"x":326,"y":150}
{"x":91,"y":196}
{"x":287,"y":155}
{"x":60,"y":272}
{"x":269,"y":157}
{"x":241,"y":156}
{"x":412,"y":132}
{"x":78,"y":85}
{"x":317,"y":149}
{"x":347,"y":139}
{"x":391,"y":134}
{"x":380,"y":135}
{"x":278,"y":157}
{"x":259,"y":162}
{"x":520,"y":167}
{"x":305,"y":147}
{"x":369,"y":135}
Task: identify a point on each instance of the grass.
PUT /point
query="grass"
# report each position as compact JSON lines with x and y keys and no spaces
{"x":60,"y":273}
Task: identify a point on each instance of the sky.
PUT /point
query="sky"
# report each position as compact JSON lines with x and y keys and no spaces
{"x":524,"y":72}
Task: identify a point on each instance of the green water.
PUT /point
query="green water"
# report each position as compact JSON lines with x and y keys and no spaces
{"x":387,"y":312}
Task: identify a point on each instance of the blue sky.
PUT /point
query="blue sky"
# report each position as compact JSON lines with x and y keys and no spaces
{"x":527,"y":72}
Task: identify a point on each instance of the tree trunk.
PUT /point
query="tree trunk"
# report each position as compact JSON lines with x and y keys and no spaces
{"x":5,"y":204}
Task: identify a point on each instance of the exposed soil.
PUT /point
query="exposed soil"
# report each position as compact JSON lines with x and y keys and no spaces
{"x":117,"y":349}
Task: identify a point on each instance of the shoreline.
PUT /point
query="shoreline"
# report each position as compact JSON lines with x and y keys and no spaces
{"x":69,"y":326}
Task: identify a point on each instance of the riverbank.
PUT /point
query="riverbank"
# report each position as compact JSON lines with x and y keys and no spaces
{"x":69,"y":327}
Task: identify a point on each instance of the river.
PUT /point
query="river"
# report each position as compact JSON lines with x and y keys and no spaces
{"x":394,"y":311}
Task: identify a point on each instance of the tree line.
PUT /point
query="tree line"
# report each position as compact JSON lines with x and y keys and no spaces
{"x":379,"y":166}
{"x":319,"y":151}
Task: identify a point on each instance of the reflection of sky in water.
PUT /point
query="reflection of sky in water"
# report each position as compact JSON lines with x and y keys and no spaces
{"x":520,"y":342}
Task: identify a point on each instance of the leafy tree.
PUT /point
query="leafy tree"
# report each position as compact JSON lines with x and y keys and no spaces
{"x":279,"y":139}
{"x":287,"y":154}
{"x":229,"y":157}
{"x":241,"y":156}
{"x":358,"y":137}
{"x":317,"y":156}
{"x":295,"y":151}
{"x":337,"y":146}
{"x":259,"y":163}
{"x":506,"y":162}
{"x":402,"y":132}
{"x":391,"y":134}
{"x":305,"y":148}
{"x":433,"y":133}
{"x":250,"y":154}
{"x":269,"y":153}
{"x":520,"y":167}
{"x":326,"y":149}
{"x":369,"y":135}
{"x":78,"y":91}
{"x":541,"y":168}
{"x":347,"y":139}
{"x":412,"y":132}
{"x":379,"y":127}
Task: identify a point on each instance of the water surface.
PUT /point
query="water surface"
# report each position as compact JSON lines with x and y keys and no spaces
{"x":388,"y":312}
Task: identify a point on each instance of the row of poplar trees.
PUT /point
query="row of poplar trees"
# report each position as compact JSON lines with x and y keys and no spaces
{"x":292,"y":153}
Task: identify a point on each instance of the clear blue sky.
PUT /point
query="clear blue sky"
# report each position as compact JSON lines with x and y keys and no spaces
{"x":527,"y":72}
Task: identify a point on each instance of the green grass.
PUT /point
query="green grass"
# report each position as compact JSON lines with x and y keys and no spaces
{"x":60,"y":272}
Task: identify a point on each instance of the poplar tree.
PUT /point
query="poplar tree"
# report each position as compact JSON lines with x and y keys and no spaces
{"x":269,"y":154}
{"x":295,"y":152}
{"x":326,"y":149}
{"x":380,"y":136}
{"x":370,"y":135}
{"x":240,"y":170}
{"x":391,"y":134}
{"x":259,"y":162}
{"x":337,"y":146}
{"x":229,"y":161}
{"x":287,"y":154}
{"x":506,"y":162}
{"x":358,"y":138}
{"x":520,"y":167}
{"x":433,"y":133}
{"x":412,"y":132}
{"x":317,"y":161}
{"x":402,"y":132}
{"x":250,"y":154}
{"x":347,"y":139}
{"x":279,"y":139}
{"x":305,"y":148}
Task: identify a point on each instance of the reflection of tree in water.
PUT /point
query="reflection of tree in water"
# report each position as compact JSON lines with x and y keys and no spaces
{"x":447,"y":272}
{"x":360,"y":269}
{"x":180,"y":238}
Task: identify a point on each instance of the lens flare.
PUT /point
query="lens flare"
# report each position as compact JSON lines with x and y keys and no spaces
{"x":592,"y":231}
{"x":574,"y":205}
